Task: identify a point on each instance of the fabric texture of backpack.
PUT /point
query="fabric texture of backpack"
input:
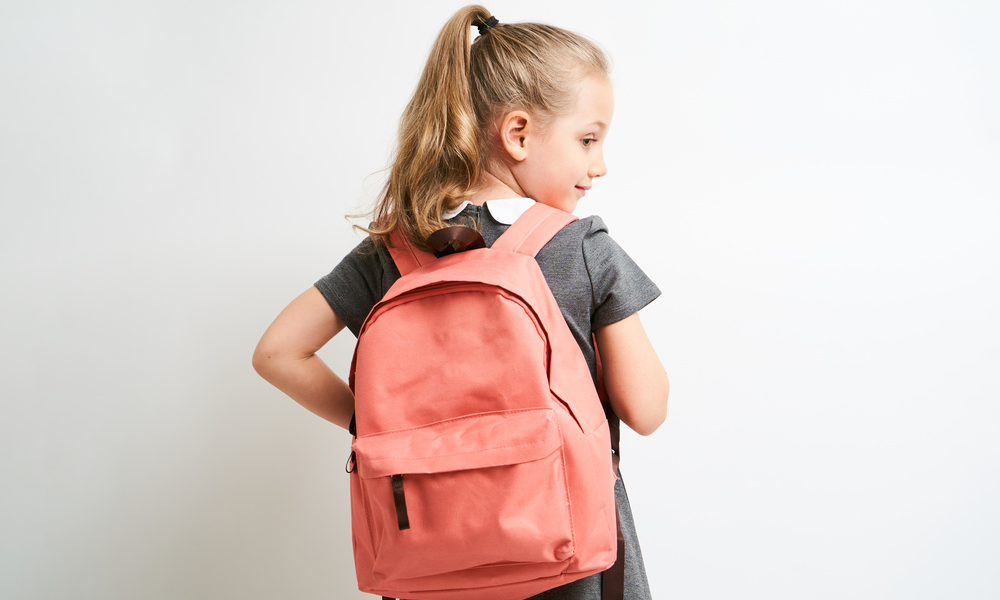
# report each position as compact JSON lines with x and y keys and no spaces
{"x":481,"y":464}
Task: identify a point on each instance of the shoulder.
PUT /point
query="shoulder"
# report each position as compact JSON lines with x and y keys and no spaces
{"x":619,"y":285}
{"x":358,"y":281}
{"x":367,"y":260}
{"x":587,"y":235}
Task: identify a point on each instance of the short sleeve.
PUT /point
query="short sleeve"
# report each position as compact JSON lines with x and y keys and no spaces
{"x":620,"y":288}
{"x":357,"y":283}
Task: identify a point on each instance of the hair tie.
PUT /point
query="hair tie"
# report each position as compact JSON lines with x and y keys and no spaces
{"x":487,"y":25}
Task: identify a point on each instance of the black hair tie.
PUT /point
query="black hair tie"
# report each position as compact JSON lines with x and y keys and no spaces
{"x":487,"y":25}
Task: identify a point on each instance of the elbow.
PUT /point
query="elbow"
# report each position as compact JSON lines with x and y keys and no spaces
{"x":651,"y":421}
{"x":274,"y":361}
{"x":647,"y":416}
{"x":263,"y":360}
{"x":259,"y":361}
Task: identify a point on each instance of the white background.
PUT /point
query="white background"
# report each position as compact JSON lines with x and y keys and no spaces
{"x":814,"y":185}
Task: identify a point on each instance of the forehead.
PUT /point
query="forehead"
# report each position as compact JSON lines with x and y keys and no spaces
{"x":595,"y":102}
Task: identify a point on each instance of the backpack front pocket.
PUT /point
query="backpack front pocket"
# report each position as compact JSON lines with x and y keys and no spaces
{"x":482,"y":490}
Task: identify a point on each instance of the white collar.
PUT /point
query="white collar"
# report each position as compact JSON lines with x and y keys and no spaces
{"x":504,"y":211}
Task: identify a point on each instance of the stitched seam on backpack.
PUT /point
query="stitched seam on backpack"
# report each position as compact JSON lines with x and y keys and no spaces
{"x":566,"y":486}
{"x":495,"y":415}
{"x":527,"y":444}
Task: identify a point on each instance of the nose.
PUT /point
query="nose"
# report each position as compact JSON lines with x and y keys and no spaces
{"x":597,"y":167}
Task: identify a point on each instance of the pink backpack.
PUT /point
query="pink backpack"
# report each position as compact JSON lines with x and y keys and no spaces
{"x":481,"y":464}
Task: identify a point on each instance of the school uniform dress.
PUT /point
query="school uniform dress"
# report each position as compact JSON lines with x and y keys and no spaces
{"x":595,"y":283}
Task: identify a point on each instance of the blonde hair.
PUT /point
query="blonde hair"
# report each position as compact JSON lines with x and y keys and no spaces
{"x":444,"y":133}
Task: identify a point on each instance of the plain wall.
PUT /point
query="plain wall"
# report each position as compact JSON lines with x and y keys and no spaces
{"x":813,"y":185}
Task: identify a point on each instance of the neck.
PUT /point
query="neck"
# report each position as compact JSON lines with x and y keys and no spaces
{"x":495,"y":186}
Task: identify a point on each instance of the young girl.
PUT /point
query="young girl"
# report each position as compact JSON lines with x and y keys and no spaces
{"x":517,"y":115}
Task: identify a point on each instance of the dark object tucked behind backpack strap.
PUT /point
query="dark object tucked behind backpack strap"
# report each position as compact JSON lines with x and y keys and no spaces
{"x":455,"y":239}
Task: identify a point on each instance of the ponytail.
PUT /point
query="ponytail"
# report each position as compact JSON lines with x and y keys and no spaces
{"x":437,"y":161}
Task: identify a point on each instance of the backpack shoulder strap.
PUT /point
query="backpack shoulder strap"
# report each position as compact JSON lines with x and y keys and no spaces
{"x":406,"y":257}
{"x":533,"y":229}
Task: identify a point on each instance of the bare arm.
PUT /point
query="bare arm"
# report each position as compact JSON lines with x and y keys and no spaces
{"x":286,"y":357}
{"x":635,"y":379}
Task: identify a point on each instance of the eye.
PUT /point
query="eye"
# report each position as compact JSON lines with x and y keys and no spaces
{"x":587,"y":141}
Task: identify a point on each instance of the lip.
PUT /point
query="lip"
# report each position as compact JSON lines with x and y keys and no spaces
{"x":583,"y":188}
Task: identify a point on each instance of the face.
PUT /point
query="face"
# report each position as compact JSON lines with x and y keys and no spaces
{"x":562,"y":160}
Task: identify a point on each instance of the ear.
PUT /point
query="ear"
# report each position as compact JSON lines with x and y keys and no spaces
{"x":514,"y":129}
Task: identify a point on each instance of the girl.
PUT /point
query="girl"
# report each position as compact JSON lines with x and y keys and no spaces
{"x":516,"y":116}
